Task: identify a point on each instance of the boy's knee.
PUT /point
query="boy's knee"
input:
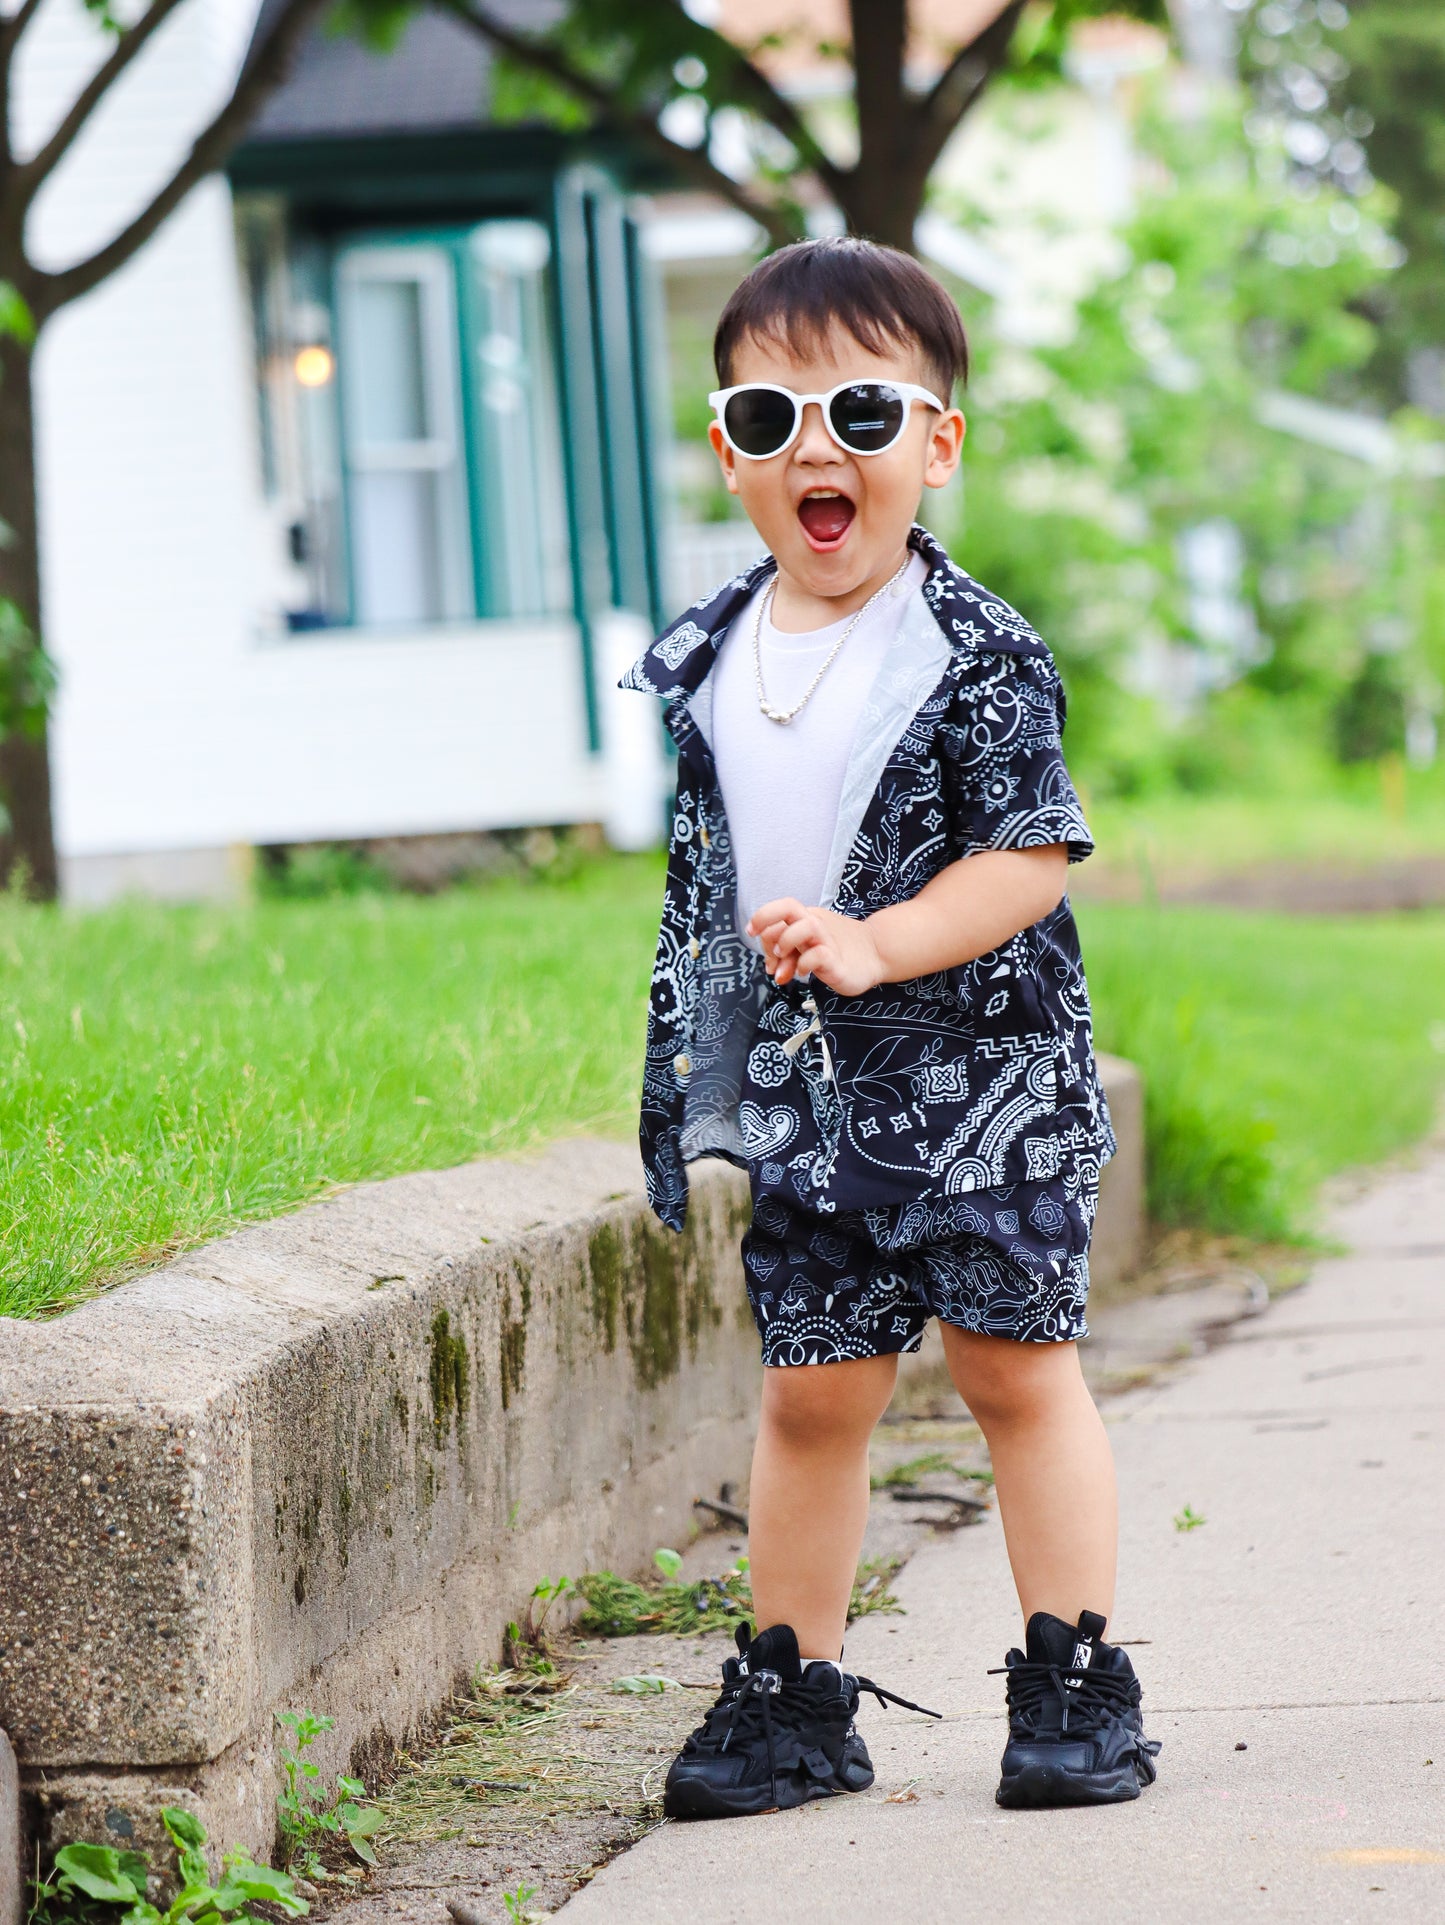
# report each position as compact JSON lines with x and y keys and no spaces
{"x":1004,"y":1382}
{"x":828,"y":1403}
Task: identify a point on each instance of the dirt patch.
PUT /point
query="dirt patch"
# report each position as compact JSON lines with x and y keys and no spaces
{"x":532,"y":1785}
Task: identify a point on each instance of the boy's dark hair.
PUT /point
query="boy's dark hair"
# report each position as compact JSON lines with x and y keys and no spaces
{"x":882,"y":297}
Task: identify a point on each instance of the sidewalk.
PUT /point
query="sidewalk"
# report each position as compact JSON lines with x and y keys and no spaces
{"x":1293,"y":1657}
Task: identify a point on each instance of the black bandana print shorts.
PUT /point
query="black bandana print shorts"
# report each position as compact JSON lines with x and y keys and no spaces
{"x":1010,"y":1262}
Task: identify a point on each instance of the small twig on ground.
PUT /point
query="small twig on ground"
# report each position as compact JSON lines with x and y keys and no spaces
{"x":967,"y":1510}
{"x":729,"y":1513}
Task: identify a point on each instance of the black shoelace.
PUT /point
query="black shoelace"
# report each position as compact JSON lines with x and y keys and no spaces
{"x":1091,"y":1698}
{"x":746,"y":1709}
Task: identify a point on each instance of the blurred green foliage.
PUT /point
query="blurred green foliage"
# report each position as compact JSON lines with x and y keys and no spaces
{"x":1214,"y":586}
{"x":1389,"y":87}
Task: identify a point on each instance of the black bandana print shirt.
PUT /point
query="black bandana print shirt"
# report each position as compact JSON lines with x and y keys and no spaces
{"x":918,"y":1091}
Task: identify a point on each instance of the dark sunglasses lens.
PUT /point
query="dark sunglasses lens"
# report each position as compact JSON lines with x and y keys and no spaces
{"x":758,"y":421}
{"x":868,"y":416}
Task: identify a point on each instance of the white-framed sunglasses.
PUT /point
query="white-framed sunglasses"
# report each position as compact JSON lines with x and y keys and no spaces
{"x":760,"y":420}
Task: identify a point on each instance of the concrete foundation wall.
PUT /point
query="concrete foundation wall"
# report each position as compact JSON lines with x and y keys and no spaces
{"x":318,"y":1465}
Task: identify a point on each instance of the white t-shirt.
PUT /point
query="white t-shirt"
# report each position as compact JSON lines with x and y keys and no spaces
{"x":781,"y":783}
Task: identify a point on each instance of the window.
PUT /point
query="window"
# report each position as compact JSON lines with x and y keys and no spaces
{"x":522,"y":497}
{"x":405,"y":464}
{"x":411,"y":432}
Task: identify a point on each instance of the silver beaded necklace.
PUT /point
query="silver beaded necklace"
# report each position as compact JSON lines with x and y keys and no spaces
{"x":765,"y":602}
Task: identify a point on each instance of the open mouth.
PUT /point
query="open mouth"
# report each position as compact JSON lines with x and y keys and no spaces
{"x":826,"y":517}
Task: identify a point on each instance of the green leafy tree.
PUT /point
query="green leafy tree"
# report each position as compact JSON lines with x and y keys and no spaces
{"x":631,"y":67}
{"x":1396,"y":81}
{"x":649,"y":71}
{"x":1093,"y":465}
{"x":30,"y":297}
{"x":1357,"y":93}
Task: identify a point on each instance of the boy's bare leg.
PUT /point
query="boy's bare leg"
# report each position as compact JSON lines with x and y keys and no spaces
{"x":1053,"y":1468}
{"x":808,"y":1501}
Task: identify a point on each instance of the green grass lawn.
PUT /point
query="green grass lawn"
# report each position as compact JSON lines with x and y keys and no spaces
{"x":166,"y":1074}
{"x":1354,"y":825}
{"x":1275,"y":1050}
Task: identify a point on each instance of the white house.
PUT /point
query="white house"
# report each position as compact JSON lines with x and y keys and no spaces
{"x":346,"y":501}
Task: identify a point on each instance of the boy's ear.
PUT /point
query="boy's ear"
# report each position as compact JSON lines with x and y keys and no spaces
{"x":726,"y":459}
{"x":945,"y":448}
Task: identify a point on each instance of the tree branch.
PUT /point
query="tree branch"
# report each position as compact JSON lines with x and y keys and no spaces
{"x":691,"y":161}
{"x":29,"y":175}
{"x":14,"y":24}
{"x":961,"y":83}
{"x":11,"y":28}
{"x":266,"y":68}
{"x":759,"y":93}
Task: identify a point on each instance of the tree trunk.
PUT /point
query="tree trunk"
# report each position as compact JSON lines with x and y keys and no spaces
{"x":901,"y":134}
{"x":882,"y":198}
{"x":24,"y":759}
{"x":883,"y":203}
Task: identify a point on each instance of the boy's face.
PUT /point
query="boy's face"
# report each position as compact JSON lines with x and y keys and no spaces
{"x":837,"y":522}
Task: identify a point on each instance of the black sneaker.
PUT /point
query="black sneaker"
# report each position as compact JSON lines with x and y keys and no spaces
{"x":1076,"y":1732}
{"x":780,"y":1734}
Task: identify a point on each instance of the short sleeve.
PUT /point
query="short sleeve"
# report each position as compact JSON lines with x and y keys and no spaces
{"x":1003,"y":760}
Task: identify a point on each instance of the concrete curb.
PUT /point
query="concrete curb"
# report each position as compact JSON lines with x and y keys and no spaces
{"x":1117,"y":1249}
{"x":319,"y":1464}
{"x":12,"y":1870}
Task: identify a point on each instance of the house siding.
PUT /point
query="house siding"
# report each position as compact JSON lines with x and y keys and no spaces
{"x":186,"y":719}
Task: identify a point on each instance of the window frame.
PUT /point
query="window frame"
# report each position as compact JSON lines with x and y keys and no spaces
{"x":428,"y":264}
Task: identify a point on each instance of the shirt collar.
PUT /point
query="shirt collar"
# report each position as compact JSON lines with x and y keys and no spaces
{"x":679,"y":660}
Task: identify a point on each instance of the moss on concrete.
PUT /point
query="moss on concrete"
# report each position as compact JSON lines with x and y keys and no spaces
{"x":654,"y":1316}
{"x":606,"y":1271}
{"x":447,"y":1377}
{"x":512,"y":1358}
{"x":654,"y":1283}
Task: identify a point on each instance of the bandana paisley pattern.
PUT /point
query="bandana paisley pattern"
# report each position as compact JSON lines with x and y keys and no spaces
{"x":1004,"y":1263}
{"x":916,"y":1093}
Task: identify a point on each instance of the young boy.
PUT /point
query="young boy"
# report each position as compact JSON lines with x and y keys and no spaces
{"x":868,"y":992}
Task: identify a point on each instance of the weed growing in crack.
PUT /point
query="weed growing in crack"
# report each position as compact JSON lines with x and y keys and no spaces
{"x":310,"y":1816}
{"x":615,"y":1607}
{"x":517,"y":1902}
{"x":98,"y":1885}
{"x":932,"y":1463}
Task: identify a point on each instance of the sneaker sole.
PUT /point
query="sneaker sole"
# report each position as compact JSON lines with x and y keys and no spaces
{"x":751,"y":1801}
{"x":1043,"y":1788}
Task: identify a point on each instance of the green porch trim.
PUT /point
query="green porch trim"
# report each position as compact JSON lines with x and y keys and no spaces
{"x":433,"y":187}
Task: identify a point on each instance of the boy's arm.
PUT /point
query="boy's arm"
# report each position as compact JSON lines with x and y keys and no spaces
{"x":974,"y":905}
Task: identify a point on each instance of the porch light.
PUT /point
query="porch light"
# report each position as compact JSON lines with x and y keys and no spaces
{"x":313,"y":366}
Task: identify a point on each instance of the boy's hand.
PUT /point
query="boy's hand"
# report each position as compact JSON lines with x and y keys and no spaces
{"x":966,"y":910}
{"x":816,"y":942}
